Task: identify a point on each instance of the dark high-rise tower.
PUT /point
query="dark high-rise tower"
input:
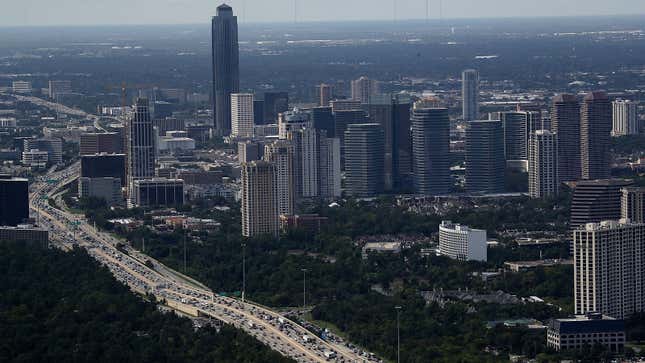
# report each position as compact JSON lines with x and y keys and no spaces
{"x":226,"y":66}
{"x":14,"y":200}
{"x":431,"y":149}
{"x":485,"y":165}
{"x":565,"y":123}
{"x":595,"y":136}
{"x":364,"y":160}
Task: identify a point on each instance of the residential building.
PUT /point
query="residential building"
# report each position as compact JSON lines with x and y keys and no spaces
{"x":280,"y":154}
{"x":565,"y":123}
{"x":586,"y":331}
{"x":242,"y":116}
{"x":326,"y":94}
{"x":485,"y":165}
{"x":633,"y":204}
{"x":595,"y":201}
{"x":259,"y":199}
{"x":609,"y":270}
{"x":515,"y":124}
{"x":470,"y":94}
{"x":364,"y":88}
{"x":14,"y":200}
{"x":329,"y":173}
{"x":291,"y":121}
{"x":306,"y":147}
{"x":364,"y":161}
{"x":595,"y":136}
{"x":625,"y":118}
{"x":226,"y":66}
{"x":431,"y":148}
{"x":543,"y":164}
{"x":462,"y":243}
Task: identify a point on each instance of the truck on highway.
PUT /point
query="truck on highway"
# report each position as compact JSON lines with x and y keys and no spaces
{"x":329,"y":354}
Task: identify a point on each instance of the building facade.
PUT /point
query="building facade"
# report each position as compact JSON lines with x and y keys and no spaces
{"x":259,"y":199}
{"x":431,"y":149}
{"x":470,"y":94}
{"x":595,"y":136}
{"x":364,"y":88}
{"x":104,"y":165}
{"x":515,"y":124}
{"x":595,"y":201}
{"x":226,"y":66}
{"x":97,"y":143}
{"x":543,"y":164}
{"x":281,"y":155}
{"x":485,"y":164}
{"x":14,"y":200}
{"x":364,"y":161}
{"x":242,"y":117}
{"x":157,"y":192}
{"x":585,"y":331}
{"x":565,"y":123}
{"x":625,"y":118}
{"x":106,"y":188}
{"x":633,"y":204}
{"x":462,"y":243}
{"x":140,"y":144}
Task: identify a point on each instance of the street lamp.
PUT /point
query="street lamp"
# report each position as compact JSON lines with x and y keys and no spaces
{"x":398,"y":334}
{"x":304,"y":288}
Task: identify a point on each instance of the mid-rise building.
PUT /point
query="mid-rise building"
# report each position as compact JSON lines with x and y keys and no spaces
{"x":584,"y":331}
{"x":431,"y":149}
{"x":609,"y":268}
{"x":163,"y":125}
{"x":97,"y":143}
{"x":364,"y":88}
{"x":8,"y":123}
{"x":259,"y":199}
{"x":633,"y":204}
{"x":14,"y":200}
{"x":470,"y":94}
{"x":59,"y":87}
{"x":103,"y":166}
{"x":226,"y":66}
{"x":543,"y":164}
{"x":280,"y":154}
{"x":242,"y":117}
{"x":22,"y":87}
{"x":485,"y":163}
{"x":345,"y":105}
{"x":53,"y":147}
{"x":565,"y":123}
{"x":595,"y":136}
{"x":326,"y":94}
{"x":595,"y":201}
{"x":24,"y":234}
{"x":157,"y":192}
{"x":106,"y":188}
{"x":35,"y":159}
{"x":462,"y":243}
{"x":308,"y":223}
{"x":364,"y":161}
{"x":625,"y":118}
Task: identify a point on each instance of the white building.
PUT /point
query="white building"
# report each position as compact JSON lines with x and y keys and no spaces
{"x":462,"y":243}
{"x":242,"y":115}
{"x":364,"y":88}
{"x":543,"y":164}
{"x":625,"y":118}
{"x":172,"y":144}
{"x":259,"y":199}
{"x":609,"y":260}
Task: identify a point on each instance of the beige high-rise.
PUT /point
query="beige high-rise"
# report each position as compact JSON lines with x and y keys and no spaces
{"x":543,"y":164}
{"x":281,"y":154}
{"x":259,"y":199}
{"x":633,"y":204}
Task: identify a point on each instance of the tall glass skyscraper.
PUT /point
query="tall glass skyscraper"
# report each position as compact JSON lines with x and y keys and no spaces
{"x":485,"y":165}
{"x":226,"y":67}
{"x":140,"y":144}
{"x":470,"y":94}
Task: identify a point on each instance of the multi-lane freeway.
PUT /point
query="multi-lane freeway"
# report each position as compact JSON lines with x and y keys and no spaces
{"x":128,"y":266}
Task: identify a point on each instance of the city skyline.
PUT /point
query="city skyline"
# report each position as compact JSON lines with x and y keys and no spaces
{"x":255,"y":11}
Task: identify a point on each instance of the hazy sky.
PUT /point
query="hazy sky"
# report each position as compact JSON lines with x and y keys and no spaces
{"x":82,"y":12}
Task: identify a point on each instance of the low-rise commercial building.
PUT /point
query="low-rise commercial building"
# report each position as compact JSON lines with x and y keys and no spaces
{"x":586,"y":331}
{"x":24,"y":233}
{"x":158,"y":192}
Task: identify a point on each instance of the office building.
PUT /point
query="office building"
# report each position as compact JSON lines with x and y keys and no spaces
{"x":595,"y":201}
{"x":35,"y":159}
{"x":308,"y":223}
{"x":584,"y":331}
{"x":24,"y":234}
{"x":173,"y":95}
{"x":226,"y":66}
{"x":364,"y":164}
{"x":291,"y":121}
{"x":259,"y":199}
{"x":342,"y":119}
{"x":326,"y":94}
{"x":537,"y":121}
{"x":242,"y":116}
{"x":431,"y":149}
{"x":53,"y":147}
{"x":633,"y":204}
{"x":345,"y":105}
{"x":163,"y":125}
{"x":470,"y":94}
{"x":14,"y":200}
{"x":103,"y":166}
{"x":543,"y":164}
{"x":608,"y":268}
{"x":306,"y":147}
{"x":275,"y":103}
{"x":258,"y":112}
{"x":59,"y":87}
{"x":363,"y":89}
{"x":515,"y":124}
{"x":157,"y":192}
{"x":106,"y":188}
{"x":280,"y":154}
{"x":140,"y":138}
{"x":97,"y":143}
{"x":462,"y":243}
{"x":565,"y":123}
{"x":323,"y":120}
{"x":595,"y":136}
{"x":21,"y":87}
{"x":248,"y":151}
{"x":485,"y":165}
{"x":170,"y":144}
{"x":329,"y":164}
{"x":625,"y":118}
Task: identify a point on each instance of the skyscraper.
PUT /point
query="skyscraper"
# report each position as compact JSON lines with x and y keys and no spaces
{"x":140,"y":144}
{"x":306,"y":146}
{"x":326,"y":94}
{"x":515,"y":124}
{"x":329,"y":164}
{"x":595,"y":201}
{"x":609,"y":268}
{"x":280,"y":154}
{"x":363,"y":89}
{"x":226,"y":66}
{"x":364,"y":164}
{"x":14,"y":200}
{"x":323,"y":119}
{"x":275,"y":103}
{"x":565,"y":123}
{"x":543,"y":166}
{"x":595,"y":136}
{"x":431,"y":148}
{"x":259,"y":199}
{"x":633,"y":204}
{"x":342,"y":120}
{"x":242,"y":115}
{"x":625,"y":118}
{"x":485,"y":165}
{"x":470,"y":94}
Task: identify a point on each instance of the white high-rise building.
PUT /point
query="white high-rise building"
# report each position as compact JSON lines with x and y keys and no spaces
{"x":462,"y":243}
{"x":280,"y":153}
{"x":543,"y":166}
{"x":625,"y":118}
{"x":259,"y":199}
{"x":470,"y":94}
{"x":329,"y":164}
{"x":609,"y":259}
{"x":242,"y":115}
{"x":364,"y":88}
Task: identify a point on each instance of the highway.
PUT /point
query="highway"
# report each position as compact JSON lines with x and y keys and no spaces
{"x":128,"y":266}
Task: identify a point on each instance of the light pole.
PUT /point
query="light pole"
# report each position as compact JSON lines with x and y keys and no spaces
{"x":398,"y":334}
{"x":304,"y":288}
{"x":243,"y":271}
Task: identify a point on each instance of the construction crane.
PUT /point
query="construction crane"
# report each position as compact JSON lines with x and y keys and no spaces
{"x":123,"y":87}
